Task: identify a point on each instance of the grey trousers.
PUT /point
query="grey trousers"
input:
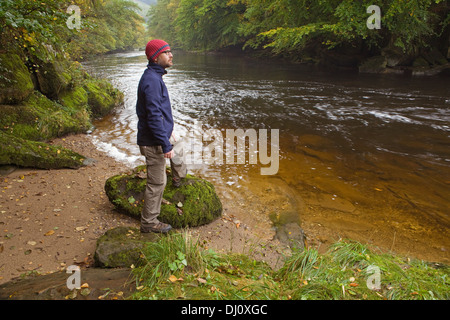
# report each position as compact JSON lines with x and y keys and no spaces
{"x":156,"y":182}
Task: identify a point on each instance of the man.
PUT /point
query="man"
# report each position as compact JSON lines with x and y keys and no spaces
{"x":155,"y":128}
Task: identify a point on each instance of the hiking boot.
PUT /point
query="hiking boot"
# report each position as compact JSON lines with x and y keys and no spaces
{"x":176,"y":182}
{"x":158,"y":228}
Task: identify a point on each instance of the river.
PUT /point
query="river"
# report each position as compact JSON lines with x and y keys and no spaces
{"x":362,"y":157}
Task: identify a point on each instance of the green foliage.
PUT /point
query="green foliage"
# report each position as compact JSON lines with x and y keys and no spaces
{"x":341,"y":273}
{"x":289,"y":26}
{"x":32,"y":27}
{"x":107,"y":25}
{"x":197,"y":24}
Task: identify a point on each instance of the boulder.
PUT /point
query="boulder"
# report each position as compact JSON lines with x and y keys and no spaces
{"x":376,"y":64}
{"x":52,"y":77}
{"x":121,"y":247}
{"x":192,"y":204}
{"x":15,"y":80}
{"x":39,"y":118}
{"x":103,"y":284}
{"x":102,"y":96}
{"x":291,"y":234}
{"x":288,"y":230}
{"x":25,"y":153}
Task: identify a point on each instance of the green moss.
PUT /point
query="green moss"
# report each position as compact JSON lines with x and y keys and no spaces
{"x":194,"y":203}
{"x":75,"y":99}
{"x":121,"y":247}
{"x":52,"y":77}
{"x":39,"y":118}
{"x":102,"y":96}
{"x":27,"y":153}
{"x":15,"y":81}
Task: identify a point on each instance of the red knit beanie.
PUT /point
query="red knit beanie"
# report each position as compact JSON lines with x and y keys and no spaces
{"x":155,"y":47}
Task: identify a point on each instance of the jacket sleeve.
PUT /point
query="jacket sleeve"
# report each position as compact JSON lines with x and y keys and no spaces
{"x":154,"y":117}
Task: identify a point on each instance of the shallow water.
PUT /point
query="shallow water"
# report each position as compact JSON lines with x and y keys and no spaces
{"x":364,"y":157}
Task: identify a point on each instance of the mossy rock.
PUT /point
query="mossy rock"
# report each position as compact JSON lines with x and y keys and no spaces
{"x":376,"y":64}
{"x":26,"y":153}
{"x":75,"y":99}
{"x":52,"y":77}
{"x":39,"y":118}
{"x":102,"y":97}
{"x":121,"y":247}
{"x":15,"y":80}
{"x":193,"y":204}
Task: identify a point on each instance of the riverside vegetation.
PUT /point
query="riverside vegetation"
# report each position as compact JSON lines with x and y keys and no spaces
{"x":176,"y":266}
{"x":45,"y":93}
{"x":413,"y":34}
{"x":44,"y":90}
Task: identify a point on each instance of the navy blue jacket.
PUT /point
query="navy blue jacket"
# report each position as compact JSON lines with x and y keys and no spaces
{"x":153,"y":109}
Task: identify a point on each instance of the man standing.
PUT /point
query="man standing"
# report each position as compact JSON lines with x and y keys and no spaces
{"x":155,"y":128}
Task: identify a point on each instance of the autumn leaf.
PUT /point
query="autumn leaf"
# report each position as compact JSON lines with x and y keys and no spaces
{"x":173,"y":278}
{"x":201,"y":280}
{"x":49,"y":233}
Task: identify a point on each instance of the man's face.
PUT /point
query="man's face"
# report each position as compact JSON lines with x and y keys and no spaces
{"x":165,"y":59}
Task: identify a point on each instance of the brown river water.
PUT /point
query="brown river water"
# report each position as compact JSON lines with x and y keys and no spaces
{"x":362,"y":157}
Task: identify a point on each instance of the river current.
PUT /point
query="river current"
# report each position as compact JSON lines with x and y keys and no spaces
{"x":365,"y":157}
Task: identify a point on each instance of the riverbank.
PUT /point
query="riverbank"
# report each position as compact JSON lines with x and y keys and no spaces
{"x":51,"y":219}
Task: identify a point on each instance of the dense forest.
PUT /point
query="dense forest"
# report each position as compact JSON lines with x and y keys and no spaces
{"x":304,"y":29}
{"x":103,"y":26}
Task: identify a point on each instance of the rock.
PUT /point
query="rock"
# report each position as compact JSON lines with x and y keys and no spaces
{"x":420,"y":62}
{"x":434,"y":57}
{"x":15,"y":81}
{"x":288,"y":230}
{"x":200,"y":203}
{"x":291,"y":234}
{"x":102,"y":97}
{"x":103,"y":284}
{"x":25,"y":153}
{"x":39,"y":118}
{"x":75,"y":99}
{"x":376,"y":64}
{"x":52,"y":77}
{"x":121,"y":247}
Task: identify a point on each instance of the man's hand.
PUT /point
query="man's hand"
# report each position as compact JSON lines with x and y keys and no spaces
{"x":169,"y":155}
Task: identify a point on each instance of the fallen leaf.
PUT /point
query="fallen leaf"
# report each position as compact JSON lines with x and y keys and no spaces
{"x":201,"y":280}
{"x":31,"y":243}
{"x":85,"y":292}
{"x":49,"y":233}
{"x":85,"y":285}
{"x":353,"y":284}
{"x":173,"y":279}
